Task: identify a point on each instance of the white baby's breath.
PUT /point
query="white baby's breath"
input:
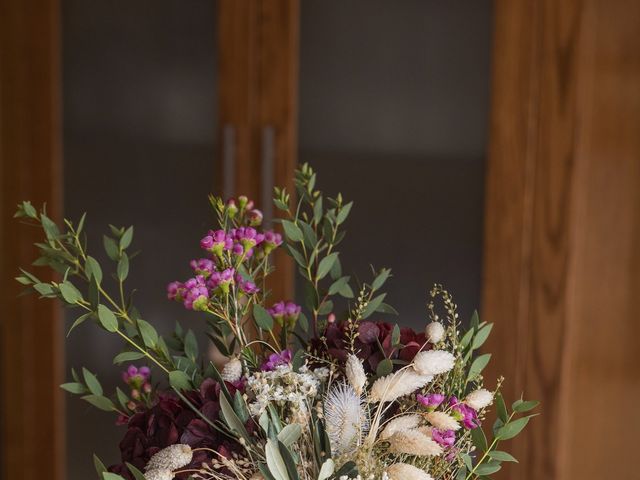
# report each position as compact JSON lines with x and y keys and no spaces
{"x":170,"y":458}
{"x":433,"y":362}
{"x":404,"y":471}
{"x":398,"y":424}
{"x":354,"y":372}
{"x":396,"y":385}
{"x":413,"y":442}
{"x":479,"y":399}
{"x":442,"y":421}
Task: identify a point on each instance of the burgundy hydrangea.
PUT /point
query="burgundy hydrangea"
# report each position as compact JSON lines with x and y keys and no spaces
{"x":374,"y":343}
{"x":170,"y":421}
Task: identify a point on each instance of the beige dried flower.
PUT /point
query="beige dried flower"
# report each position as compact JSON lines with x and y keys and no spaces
{"x":412,"y":442}
{"x":398,"y":424}
{"x":170,"y":458}
{"x":346,"y":418}
{"x":396,"y":385}
{"x":442,"y":421}
{"x":479,"y":399}
{"x":433,"y":362}
{"x":158,"y":474}
{"x":404,"y":471}
{"x":232,"y":371}
{"x":425,"y":430}
{"x":434,"y":332}
{"x":355,"y":373}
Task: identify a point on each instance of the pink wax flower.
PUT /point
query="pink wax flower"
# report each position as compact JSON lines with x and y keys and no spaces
{"x":285,"y":312}
{"x":463,"y":412}
{"x":196,"y":296}
{"x":136,"y":377}
{"x":445,"y":438}
{"x":255,"y":217}
{"x":275,"y":360}
{"x":431,"y":401}
{"x":203,"y":266}
{"x":216,"y":242}
{"x":246,"y":286}
{"x":175,"y":291}
{"x":272,"y":240}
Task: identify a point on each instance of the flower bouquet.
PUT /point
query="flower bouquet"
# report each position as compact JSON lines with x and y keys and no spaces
{"x":306,"y":392}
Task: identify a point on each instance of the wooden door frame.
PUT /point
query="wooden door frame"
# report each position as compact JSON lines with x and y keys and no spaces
{"x":258,"y":114}
{"x":561,"y":273}
{"x":31,"y":345}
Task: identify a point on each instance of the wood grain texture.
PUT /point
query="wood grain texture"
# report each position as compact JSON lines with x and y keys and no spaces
{"x":30,"y":168}
{"x":258,"y":65}
{"x":561,"y":270}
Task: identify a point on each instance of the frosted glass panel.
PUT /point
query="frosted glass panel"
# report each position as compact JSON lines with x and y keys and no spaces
{"x":139,"y":124}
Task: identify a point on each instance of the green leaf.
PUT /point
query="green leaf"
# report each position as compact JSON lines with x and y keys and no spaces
{"x":148,"y":332}
{"x":231,"y":419}
{"x":501,"y":408}
{"x":97,"y":463}
{"x":521,"y":406}
{"x":475,"y":320}
{"x":327,"y":469}
{"x":385,"y":367}
{"x":336,"y":270}
{"x":101,"y":402}
{"x":338,"y":285}
{"x":107,"y":319}
{"x":303,"y":321}
{"x":326,"y":264}
{"x":479,"y":439}
{"x":512,"y":429}
{"x":481,"y":336}
{"x":344,"y":213}
{"x":317,"y":210}
{"x":93,"y":269}
{"x":502,"y":456}
{"x":478,"y":365}
{"x":43,"y":289}
{"x":92,"y":382}
{"x":487,"y":468}
{"x":74,"y":387}
{"x":240,"y":407}
{"x":395,"y":336}
{"x":262,"y":317}
{"x":290,"y":434}
{"x":325,"y":308}
{"x":292,"y":231}
{"x":191,"y":345}
{"x":111,"y":247}
{"x":373,"y":305}
{"x":123,"y":267}
{"x":111,"y":476}
{"x":466,"y":459}
{"x":49,"y":226}
{"x":298,"y":360}
{"x":179,"y":380}
{"x":137,"y":474}
{"x":126,"y":238}
{"x":386,"y":308}
{"x":380,"y":279}
{"x":78,"y":321}
{"x":127,"y":357}
{"x":292,"y":470}
{"x":275,"y":462}
{"x":70,"y":293}
{"x":122,"y":398}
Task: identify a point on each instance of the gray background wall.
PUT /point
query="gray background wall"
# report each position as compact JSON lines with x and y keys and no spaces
{"x":393,"y":113}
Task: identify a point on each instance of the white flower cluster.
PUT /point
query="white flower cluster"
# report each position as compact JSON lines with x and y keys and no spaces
{"x":285,"y":387}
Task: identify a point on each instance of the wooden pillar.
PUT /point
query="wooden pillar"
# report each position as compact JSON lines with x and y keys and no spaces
{"x":31,"y":351}
{"x":258,"y":78}
{"x":562,"y":257}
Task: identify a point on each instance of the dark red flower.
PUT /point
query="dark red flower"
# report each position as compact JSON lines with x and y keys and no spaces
{"x":169,"y":421}
{"x":373,"y":344}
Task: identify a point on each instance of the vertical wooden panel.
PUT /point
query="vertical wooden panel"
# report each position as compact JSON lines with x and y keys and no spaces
{"x":30,"y":168}
{"x":258,"y":51}
{"x":561,"y":269}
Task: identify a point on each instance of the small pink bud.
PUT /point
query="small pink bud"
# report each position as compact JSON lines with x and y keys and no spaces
{"x":331,"y":318}
{"x":135,"y":394}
